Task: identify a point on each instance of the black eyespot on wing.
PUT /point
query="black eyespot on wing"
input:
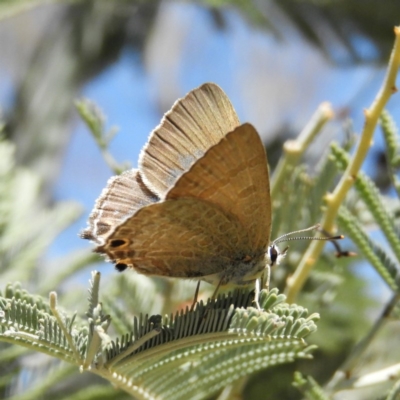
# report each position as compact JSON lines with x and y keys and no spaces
{"x":120,"y":267}
{"x":117,"y":243}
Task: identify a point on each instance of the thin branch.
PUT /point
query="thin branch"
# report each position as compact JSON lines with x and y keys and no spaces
{"x":61,"y":323}
{"x":294,"y":149}
{"x":335,"y":199}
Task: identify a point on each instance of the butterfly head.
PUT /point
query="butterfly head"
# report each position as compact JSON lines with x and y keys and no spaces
{"x":274,"y":255}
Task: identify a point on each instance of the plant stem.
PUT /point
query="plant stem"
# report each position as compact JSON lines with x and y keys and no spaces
{"x":294,"y":149}
{"x":335,"y":199}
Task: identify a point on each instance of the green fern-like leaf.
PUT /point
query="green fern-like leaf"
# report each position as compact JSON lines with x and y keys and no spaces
{"x":27,"y":325}
{"x":95,"y":121}
{"x":21,"y":244}
{"x":211,"y":350}
{"x":390,"y":132}
{"x":369,"y":193}
{"x":210,"y":346}
{"x":371,"y":196}
{"x":379,"y":258}
{"x":309,"y":387}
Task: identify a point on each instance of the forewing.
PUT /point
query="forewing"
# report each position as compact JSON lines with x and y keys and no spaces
{"x":233,"y":175}
{"x":187,"y":131}
{"x":178,"y":238}
{"x":122,"y":197}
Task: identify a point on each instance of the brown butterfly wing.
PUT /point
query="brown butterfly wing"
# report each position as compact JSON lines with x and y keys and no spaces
{"x":194,"y":124}
{"x":123,"y":196}
{"x":185,"y":238}
{"x":233,"y":175}
{"x":217,"y":214}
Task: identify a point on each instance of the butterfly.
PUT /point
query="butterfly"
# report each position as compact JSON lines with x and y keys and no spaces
{"x":198,"y":206}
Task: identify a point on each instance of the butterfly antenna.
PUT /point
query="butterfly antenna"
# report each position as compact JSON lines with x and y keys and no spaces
{"x":339,"y":251}
{"x":285,"y":238}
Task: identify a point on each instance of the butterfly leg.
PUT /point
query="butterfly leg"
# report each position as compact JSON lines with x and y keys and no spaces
{"x":257,"y":284}
{"x":214,"y":295}
{"x":213,"y":298}
{"x":196,"y":295}
{"x":265,"y":278}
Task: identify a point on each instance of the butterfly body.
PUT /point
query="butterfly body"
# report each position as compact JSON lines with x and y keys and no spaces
{"x":198,"y":207}
{"x":240,"y":272}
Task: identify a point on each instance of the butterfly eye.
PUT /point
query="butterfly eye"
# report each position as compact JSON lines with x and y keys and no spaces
{"x":117,"y":243}
{"x":120,"y":267}
{"x":273,"y":254}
